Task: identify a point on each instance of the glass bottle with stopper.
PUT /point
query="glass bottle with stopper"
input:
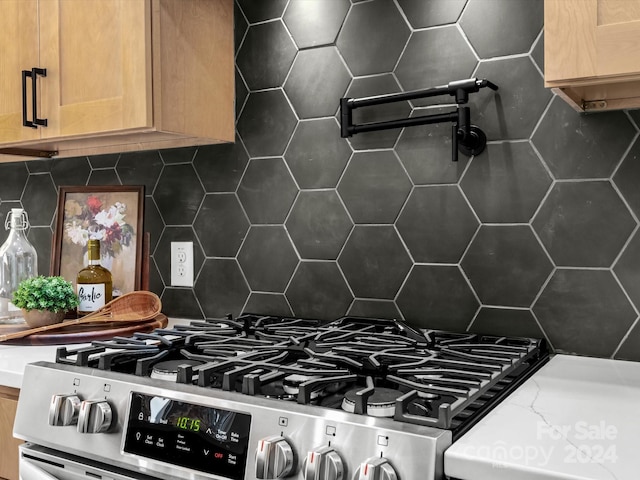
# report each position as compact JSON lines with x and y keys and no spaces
{"x":19,"y":261}
{"x":94,"y":282}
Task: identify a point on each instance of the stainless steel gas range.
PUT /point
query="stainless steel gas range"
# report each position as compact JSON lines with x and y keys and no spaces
{"x":263,"y":397}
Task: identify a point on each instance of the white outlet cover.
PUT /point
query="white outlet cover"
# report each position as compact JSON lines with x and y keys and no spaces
{"x":182,"y":264}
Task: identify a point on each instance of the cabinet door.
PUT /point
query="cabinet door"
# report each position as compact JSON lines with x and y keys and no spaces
{"x":98,"y":60}
{"x":18,"y":51}
{"x":591,"y":39}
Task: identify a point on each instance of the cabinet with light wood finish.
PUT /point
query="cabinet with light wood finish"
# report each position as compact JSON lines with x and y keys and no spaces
{"x":592,"y":52}
{"x":8,"y":444}
{"x":117,"y":75}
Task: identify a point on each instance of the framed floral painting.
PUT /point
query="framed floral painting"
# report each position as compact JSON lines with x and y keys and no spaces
{"x":111,"y":214}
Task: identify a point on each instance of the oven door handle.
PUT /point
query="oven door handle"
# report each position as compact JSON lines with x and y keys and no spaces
{"x":31,"y":471}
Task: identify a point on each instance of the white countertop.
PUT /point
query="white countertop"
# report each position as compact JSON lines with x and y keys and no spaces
{"x":13,"y":358}
{"x":577,"y":418}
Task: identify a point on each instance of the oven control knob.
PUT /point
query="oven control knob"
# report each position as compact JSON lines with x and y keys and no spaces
{"x":323,"y":463}
{"x":64,"y":409}
{"x":376,"y":468}
{"x":274,"y":458}
{"x":95,"y":416}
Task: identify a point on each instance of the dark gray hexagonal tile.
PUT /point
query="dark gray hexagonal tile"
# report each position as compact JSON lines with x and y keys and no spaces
{"x":221,"y":288}
{"x":220,"y":167}
{"x":181,"y":303}
{"x":267,"y":190}
{"x":268,"y":304}
{"x":152,"y":222}
{"x":13,"y":177}
{"x":266,"y":54}
{"x":142,"y":168}
{"x":506,"y":321}
{"x":261,"y":11}
{"x":317,"y":155}
{"x":627,"y":269}
{"x":178,"y":194}
{"x":584,"y":312}
{"x":425,"y":151}
{"x":318,"y":290}
{"x":436,"y":224}
{"x":428,"y":294}
{"x":627,"y":178}
{"x":506,"y":183}
{"x":514,"y":110}
{"x":506,"y":265}
{"x":374,"y":261}
{"x":537,"y":53}
{"x":422,"y":14}
{"x":630,"y":347}
{"x":39,"y":199}
{"x":315,"y":22}
{"x":156,"y":285}
{"x":583,"y":224}
{"x":108,"y":160}
{"x":372,"y":37}
{"x":267,"y":258}
{"x":635,"y":116}
{"x":317,"y":80}
{"x":221,"y":225}
{"x":371,"y":86}
{"x":266,"y":123}
{"x":70,"y":171}
{"x":518,"y":22}
{"x":374,"y":309}
{"x":38,"y":166}
{"x":40,"y":238}
{"x":176,"y":155}
{"x":587,"y":146}
{"x":318,"y":225}
{"x":242,"y":92}
{"x":435,"y":57}
{"x":161,"y":253}
{"x":104,"y":176}
{"x":374,"y":187}
{"x":240,"y":26}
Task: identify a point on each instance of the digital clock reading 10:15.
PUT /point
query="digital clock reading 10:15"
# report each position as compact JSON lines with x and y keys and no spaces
{"x":188,"y":423}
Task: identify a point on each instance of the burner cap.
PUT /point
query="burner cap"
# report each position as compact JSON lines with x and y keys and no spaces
{"x":291,"y":384}
{"x":168,"y":370}
{"x":382,"y":403}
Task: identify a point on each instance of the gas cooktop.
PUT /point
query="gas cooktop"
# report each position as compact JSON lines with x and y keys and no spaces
{"x":266,"y":397}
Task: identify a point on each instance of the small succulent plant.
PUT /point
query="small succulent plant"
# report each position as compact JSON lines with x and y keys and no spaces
{"x":45,"y":293}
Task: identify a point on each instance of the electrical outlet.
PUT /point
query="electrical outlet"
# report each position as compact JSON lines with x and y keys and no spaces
{"x":182,"y":264}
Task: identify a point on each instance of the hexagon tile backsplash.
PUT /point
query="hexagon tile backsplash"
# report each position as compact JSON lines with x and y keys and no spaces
{"x":536,"y":236}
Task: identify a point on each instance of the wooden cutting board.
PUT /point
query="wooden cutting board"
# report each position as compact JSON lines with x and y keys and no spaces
{"x":83,"y":333}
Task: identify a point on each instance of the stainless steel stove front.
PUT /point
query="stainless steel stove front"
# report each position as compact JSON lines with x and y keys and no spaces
{"x":283,"y":439}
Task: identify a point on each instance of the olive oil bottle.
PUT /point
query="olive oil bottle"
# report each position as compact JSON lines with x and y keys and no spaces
{"x":94,"y":282}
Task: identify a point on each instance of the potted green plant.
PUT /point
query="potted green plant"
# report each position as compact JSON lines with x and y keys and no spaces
{"x":44,"y":300}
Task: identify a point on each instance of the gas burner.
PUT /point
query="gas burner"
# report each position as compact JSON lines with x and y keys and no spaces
{"x":168,"y":370}
{"x":291,"y":384}
{"x":381,"y":403}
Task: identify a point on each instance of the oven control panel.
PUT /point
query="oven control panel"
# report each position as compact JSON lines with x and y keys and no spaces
{"x":169,"y":431}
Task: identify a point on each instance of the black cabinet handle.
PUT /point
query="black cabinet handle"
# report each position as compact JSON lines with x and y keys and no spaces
{"x":34,"y":97}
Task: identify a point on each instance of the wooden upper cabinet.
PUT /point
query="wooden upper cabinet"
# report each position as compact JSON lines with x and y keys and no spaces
{"x":121,"y":75}
{"x":18,"y":52}
{"x":98,"y":60}
{"x":592,"y":52}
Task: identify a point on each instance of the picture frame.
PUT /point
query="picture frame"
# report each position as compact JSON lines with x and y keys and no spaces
{"x":111,"y":213}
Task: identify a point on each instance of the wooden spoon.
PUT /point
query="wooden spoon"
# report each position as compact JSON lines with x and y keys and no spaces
{"x":131,"y":307}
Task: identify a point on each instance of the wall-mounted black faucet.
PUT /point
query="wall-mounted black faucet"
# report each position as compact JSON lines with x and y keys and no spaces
{"x":468,"y":139}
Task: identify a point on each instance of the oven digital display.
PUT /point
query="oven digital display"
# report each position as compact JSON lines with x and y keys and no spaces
{"x":202,"y":438}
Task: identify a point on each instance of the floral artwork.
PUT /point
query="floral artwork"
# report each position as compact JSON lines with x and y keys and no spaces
{"x":109,"y":216}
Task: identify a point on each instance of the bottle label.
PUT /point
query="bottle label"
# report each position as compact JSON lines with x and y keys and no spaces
{"x":91,"y":296}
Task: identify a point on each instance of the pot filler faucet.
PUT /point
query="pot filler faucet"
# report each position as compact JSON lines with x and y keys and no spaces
{"x":468,"y":139}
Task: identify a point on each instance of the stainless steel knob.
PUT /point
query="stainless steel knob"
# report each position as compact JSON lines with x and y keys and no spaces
{"x":274,"y":458}
{"x":95,"y":416}
{"x":323,"y":463}
{"x":376,"y":468}
{"x":64,"y":409}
